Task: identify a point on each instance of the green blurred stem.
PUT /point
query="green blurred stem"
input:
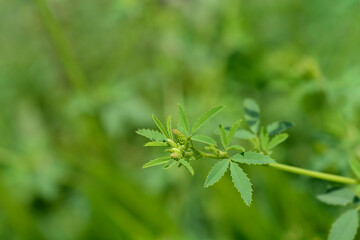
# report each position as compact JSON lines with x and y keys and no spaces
{"x":207,"y":155}
{"x":57,"y":36}
{"x":314,"y":174}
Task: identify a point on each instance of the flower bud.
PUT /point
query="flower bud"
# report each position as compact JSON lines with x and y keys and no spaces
{"x":182,"y":147}
{"x":171,"y":143}
{"x":176,"y":155}
{"x":179,"y":137}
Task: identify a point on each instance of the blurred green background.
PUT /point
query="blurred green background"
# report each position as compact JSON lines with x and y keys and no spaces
{"x":77,"y":78}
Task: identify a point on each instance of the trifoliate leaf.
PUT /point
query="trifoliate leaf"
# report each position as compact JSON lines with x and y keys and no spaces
{"x":156,"y":162}
{"x":278,"y":127}
{"x":217,"y":172}
{"x":252,"y":158}
{"x":264,"y":139}
{"x":241,"y":182}
{"x":252,"y":114}
{"x":160,"y":126}
{"x":187,"y":165}
{"x":243,"y":134}
{"x":156,"y":144}
{"x":223,"y":136}
{"x":277,"y":140}
{"x":169,"y":127}
{"x":345,"y":227}
{"x":151,"y":134}
{"x":237,"y":148}
{"x":206,"y":117}
{"x":232,"y":132}
{"x":355,"y":167}
{"x":340,"y":197}
{"x":203,"y":139}
{"x":183,"y":120}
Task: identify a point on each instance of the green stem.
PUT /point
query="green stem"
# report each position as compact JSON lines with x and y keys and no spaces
{"x":206,"y":155}
{"x":62,"y":47}
{"x":314,"y":174}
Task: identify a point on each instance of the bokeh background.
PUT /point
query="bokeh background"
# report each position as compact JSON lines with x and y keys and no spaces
{"x":77,"y":78}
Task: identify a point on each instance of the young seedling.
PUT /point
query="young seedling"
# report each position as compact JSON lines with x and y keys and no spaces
{"x":180,"y":144}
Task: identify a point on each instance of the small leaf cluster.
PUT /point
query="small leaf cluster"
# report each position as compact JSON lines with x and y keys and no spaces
{"x":347,"y":224}
{"x":183,"y":143}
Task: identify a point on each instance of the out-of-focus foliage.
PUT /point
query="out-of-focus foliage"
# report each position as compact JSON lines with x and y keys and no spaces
{"x":77,"y":78}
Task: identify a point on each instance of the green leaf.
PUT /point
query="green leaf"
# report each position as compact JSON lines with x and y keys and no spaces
{"x":151,"y":134}
{"x":277,"y":140}
{"x":170,"y":164}
{"x":169,"y":128}
{"x":237,"y":148}
{"x":203,"y":139}
{"x":156,"y":144}
{"x":345,"y":227}
{"x":264,"y":139}
{"x":243,"y":134}
{"x":233,"y":130}
{"x":355,"y":167}
{"x":206,"y":117}
{"x":223,"y":136}
{"x":278,"y":127}
{"x":187,"y":165}
{"x":340,"y":197}
{"x":156,"y":162}
{"x":183,"y":121}
{"x":241,"y":182}
{"x":217,"y":172}
{"x":252,"y":114}
{"x":160,"y":126}
{"x":252,"y":158}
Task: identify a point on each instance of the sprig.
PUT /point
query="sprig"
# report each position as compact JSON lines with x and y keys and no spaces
{"x":184,"y":147}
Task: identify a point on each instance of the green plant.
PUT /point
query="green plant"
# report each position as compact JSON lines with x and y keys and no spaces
{"x":182,"y":150}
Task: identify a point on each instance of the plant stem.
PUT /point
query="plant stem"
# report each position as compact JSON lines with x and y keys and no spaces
{"x":206,"y":155}
{"x":314,"y":174}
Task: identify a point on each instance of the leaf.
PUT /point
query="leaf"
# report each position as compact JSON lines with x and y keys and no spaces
{"x":252,"y":158}
{"x":223,"y":136}
{"x":233,"y":130}
{"x":355,"y":167}
{"x":340,"y":197}
{"x":217,"y":172}
{"x":264,"y":139}
{"x":187,"y":165}
{"x":151,"y":134}
{"x":345,"y":227}
{"x":252,"y":114}
{"x":160,"y":126}
{"x":183,"y":121}
{"x":203,"y":139}
{"x":170,"y":164}
{"x":169,"y":128}
{"x":156,"y":162}
{"x":277,"y":140}
{"x":237,"y":148}
{"x":156,"y":144}
{"x":278,"y":127}
{"x":241,"y":182}
{"x":243,"y":134}
{"x":206,"y":117}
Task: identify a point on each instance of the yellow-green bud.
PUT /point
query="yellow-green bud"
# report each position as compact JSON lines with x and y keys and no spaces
{"x":171,"y":143}
{"x":175,"y":150}
{"x":179,"y":137}
{"x":182,"y":147}
{"x":222,"y":154}
{"x":176,"y":155}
